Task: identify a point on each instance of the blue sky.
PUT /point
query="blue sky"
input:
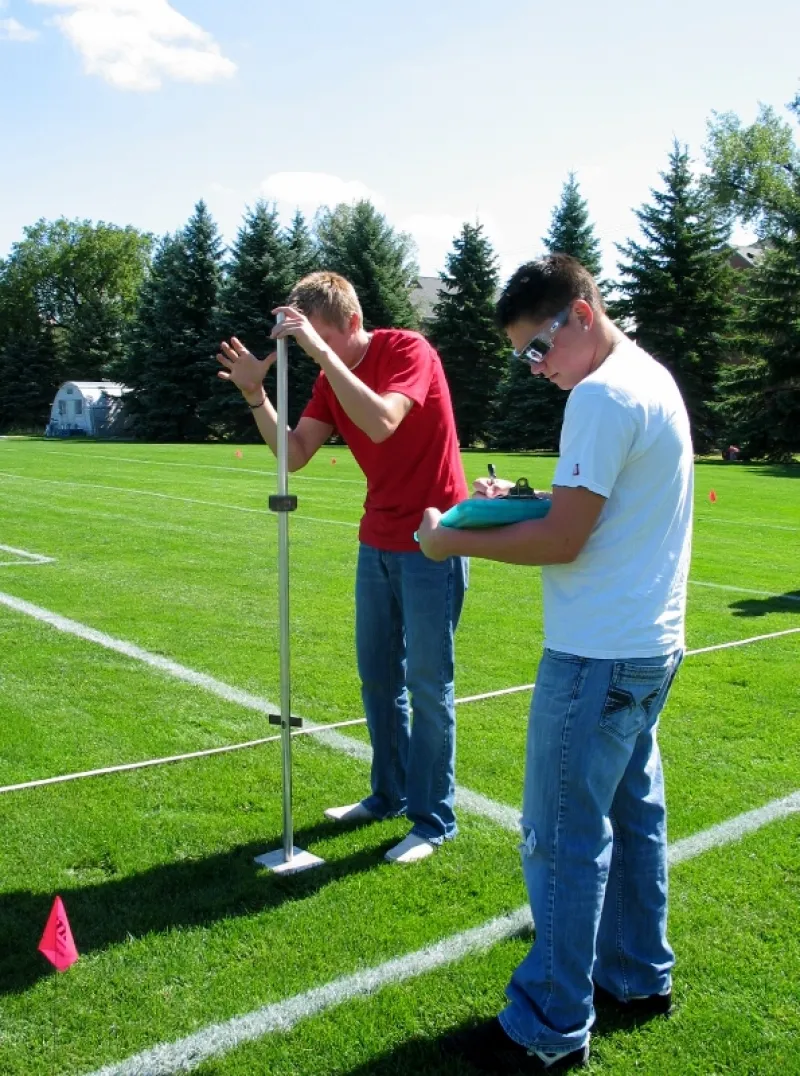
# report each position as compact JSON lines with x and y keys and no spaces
{"x":441,"y":110}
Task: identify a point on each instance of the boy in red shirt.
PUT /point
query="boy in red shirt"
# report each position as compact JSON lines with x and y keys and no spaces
{"x":385,"y":392}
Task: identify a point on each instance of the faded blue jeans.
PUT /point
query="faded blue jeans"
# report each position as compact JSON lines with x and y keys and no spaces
{"x":594,"y":851}
{"x":407,"y":610}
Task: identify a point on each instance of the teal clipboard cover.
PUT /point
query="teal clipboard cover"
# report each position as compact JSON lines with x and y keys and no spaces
{"x":495,"y":512}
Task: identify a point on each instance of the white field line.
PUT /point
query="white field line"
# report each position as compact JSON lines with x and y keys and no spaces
{"x":300,"y":515}
{"x":495,"y":694}
{"x":715,"y":518}
{"x":172,"y":497}
{"x":188,"y":1053}
{"x":689,"y":653}
{"x":746,"y":523}
{"x":154,"y":524}
{"x":742,"y":642}
{"x":23,"y":557}
{"x":136,"y":653}
{"x":747,"y":590}
{"x":162,"y":525}
{"x":126,"y":767}
{"x":235,"y":470}
{"x":706,"y":518}
{"x":473,"y":802}
{"x":734,"y":829}
{"x":157,"y":523}
{"x":217,"y":1039}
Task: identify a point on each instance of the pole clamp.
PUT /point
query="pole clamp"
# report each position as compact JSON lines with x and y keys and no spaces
{"x":282,"y":502}
{"x":294,"y":722}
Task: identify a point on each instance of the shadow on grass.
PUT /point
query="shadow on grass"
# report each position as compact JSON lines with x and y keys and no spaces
{"x":186,"y":894}
{"x":413,"y":1056}
{"x":428,"y":1056}
{"x":780,"y":470}
{"x":764,"y":470}
{"x":780,"y":603}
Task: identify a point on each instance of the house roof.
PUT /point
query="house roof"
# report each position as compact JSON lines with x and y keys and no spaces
{"x":745,"y":257}
{"x":426,"y":295}
{"x":93,"y":390}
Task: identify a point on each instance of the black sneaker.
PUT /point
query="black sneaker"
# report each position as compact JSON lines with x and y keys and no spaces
{"x":489,"y":1049}
{"x":644,"y":1008}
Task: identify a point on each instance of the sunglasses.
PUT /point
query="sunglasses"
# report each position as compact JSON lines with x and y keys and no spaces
{"x":537,"y":348}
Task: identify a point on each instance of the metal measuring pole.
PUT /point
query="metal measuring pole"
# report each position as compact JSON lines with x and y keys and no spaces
{"x":288,"y":859}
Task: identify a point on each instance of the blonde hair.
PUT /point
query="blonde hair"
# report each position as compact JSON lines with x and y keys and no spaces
{"x":328,"y":296}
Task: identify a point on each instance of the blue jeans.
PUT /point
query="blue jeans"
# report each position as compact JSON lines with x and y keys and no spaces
{"x":594,"y":851}
{"x":407,"y":610}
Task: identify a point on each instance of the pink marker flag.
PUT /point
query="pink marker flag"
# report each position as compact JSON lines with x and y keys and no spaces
{"x":712,"y":497}
{"x":57,"y":943}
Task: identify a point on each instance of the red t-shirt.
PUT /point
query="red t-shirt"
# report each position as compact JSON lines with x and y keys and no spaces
{"x":419,"y":466}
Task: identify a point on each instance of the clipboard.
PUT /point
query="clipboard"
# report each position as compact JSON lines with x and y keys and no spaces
{"x":520,"y":503}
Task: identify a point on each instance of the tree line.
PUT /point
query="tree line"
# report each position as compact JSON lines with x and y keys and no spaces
{"x":90,"y":301}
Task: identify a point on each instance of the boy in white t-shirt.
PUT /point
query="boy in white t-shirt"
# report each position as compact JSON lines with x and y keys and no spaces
{"x":615,"y":547}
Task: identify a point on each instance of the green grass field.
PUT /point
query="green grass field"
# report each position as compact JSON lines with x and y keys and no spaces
{"x":171,"y":549}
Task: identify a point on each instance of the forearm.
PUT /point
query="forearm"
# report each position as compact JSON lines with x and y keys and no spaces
{"x":267,"y":422}
{"x":363,"y":406}
{"x":532,"y":542}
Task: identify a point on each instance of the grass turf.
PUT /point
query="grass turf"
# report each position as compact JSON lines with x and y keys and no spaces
{"x":171,"y":548}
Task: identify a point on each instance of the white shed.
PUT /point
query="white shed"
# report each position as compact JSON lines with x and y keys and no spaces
{"x":88,"y":408}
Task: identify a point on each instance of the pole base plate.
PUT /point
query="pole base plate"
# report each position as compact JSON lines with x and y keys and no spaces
{"x":300,"y":861}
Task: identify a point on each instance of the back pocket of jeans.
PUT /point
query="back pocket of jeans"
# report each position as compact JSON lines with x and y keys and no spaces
{"x":633,"y":692}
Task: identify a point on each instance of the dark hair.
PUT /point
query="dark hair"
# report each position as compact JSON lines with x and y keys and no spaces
{"x":542,"y":289}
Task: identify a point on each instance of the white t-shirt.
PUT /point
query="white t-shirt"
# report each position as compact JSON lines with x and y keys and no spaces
{"x":625,"y":436}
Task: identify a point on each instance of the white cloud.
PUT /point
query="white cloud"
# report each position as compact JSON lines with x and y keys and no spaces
{"x":220,"y":188}
{"x":136,"y":44}
{"x":310,"y":190}
{"x":436,"y":226}
{"x":11,"y":30}
{"x":433,"y":234}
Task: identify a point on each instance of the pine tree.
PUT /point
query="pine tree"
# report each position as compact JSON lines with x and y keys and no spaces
{"x":529,"y":409}
{"x":465,"y":333}
{"x":572,"y":232}
{"x":678,"y":289}
{"x":259,"y":276}
{"x":759,"y":406}
{"x":30,"y":370}
{"x":358,"y":242}
{"x":302,"y":248}
{"x":171,"y":364}
{"x":304,"y":259}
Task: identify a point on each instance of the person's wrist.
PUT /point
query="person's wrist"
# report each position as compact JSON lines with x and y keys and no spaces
{"x":254,"y":397}
{"x":323,"y":355}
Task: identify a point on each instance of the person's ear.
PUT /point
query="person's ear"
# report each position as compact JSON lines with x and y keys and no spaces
{"x":584,"y":313}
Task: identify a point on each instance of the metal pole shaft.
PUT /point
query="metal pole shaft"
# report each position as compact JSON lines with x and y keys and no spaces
{"x":283,"y":597}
